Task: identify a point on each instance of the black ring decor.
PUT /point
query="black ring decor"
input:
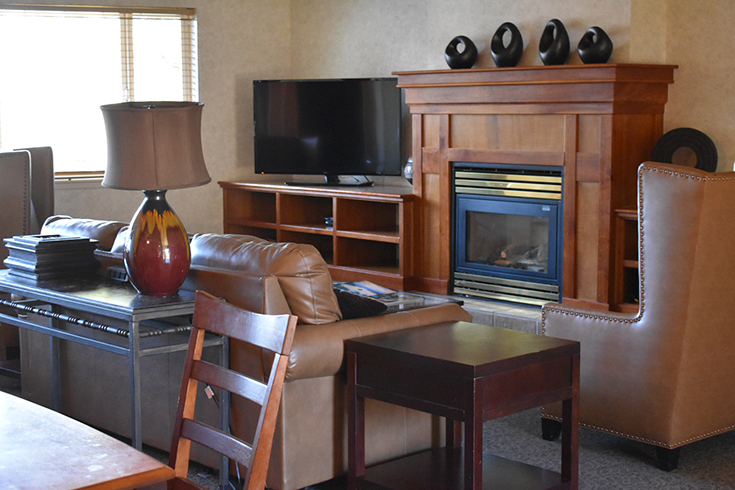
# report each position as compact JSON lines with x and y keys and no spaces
{"x":595,"y":46}
{"x":554,"y":44}
{"x":466,"y":58}
{"x":507,"y":55}
{"x":701,"y":144}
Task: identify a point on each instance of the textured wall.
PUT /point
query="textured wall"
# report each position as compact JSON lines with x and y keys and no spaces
{"x":242,"y":40}
{"x":699,"y":39}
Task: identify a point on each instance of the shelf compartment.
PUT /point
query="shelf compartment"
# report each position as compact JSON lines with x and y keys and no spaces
{"x":366,"y":254}
{"x":631,"y":283}
{"x":323,"y":243}
{"x":314,"y":229}
{"x":253,"y":223}
{"x":381,"y":218}
{"x":307,"y":211}
{"x":250,"y":206}
{"x":383,"y":236}
{"x":260,"y":232}
{"x":444,"y":468}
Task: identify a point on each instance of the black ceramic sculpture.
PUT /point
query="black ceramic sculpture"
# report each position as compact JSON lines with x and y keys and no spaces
{"x":554,"y":44}
{"x":595,"y":46}
{"x":466,"y":58}
{"x":507,"y":55}
{"x":701,"y":144}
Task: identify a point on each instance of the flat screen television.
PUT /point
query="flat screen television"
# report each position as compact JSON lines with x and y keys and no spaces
{"x":328,"y":127}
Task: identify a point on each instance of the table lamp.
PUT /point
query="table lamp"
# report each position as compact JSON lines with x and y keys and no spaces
{"x":154,"y":147}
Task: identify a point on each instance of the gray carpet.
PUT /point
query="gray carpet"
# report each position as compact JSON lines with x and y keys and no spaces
{"x":606,"y":462}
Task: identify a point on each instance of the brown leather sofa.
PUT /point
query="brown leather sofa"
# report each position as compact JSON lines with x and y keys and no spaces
{"x":311,"y":436}
{"x":666,"y":375}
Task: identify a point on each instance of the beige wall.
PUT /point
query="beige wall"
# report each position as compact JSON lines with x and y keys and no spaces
{"x":242,"y":40}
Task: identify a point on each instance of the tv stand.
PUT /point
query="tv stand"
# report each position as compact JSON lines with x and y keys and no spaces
{"x":362,"y":233}
{"x":332,"y":180}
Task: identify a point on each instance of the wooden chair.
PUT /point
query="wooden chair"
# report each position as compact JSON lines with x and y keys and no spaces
{"x":273,"y":333}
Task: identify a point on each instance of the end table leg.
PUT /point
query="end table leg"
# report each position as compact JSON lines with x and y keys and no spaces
{"x":135,"y":395}
{"x":473,"y":441}
{"x":355,"y":426}
{"x":453,"y":433}
{"x":570,"y":431}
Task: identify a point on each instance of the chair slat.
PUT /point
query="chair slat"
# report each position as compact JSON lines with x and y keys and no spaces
{"x":231,"y":381}
{"x":217,"y":440}
{"x":269,"y":334}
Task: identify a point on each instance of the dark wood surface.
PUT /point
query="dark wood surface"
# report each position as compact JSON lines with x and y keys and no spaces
{"x":468,"y":373}
{"x":41,"y":448}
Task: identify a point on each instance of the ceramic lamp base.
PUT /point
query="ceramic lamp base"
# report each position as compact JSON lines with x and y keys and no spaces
{"x":156,"y":253}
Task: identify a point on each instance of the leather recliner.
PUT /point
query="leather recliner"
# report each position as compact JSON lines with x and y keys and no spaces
{"x":310,"y":444}
{"x":666,"y":375}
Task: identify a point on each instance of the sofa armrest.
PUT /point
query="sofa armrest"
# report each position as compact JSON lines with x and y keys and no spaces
{"x":318,"y":350}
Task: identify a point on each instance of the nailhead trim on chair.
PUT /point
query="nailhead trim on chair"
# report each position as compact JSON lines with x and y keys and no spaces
{"x":643,"y":439}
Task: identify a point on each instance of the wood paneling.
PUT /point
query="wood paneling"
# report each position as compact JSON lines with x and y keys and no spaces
{"x":508,"y":132}
{"x":586,"y":235}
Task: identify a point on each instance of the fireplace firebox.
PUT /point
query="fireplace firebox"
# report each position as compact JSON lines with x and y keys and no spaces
{"x":508,"y":233}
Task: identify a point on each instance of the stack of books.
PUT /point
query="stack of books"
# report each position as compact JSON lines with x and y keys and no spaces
{"x":44,"y":257}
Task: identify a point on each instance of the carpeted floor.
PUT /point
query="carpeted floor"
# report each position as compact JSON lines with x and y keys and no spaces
{"x":606,"y":462}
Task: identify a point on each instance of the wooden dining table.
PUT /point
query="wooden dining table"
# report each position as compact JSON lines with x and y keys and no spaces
{"x":43,"y":449}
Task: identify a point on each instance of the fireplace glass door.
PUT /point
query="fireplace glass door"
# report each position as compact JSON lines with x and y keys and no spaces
{"x":507,"y":238}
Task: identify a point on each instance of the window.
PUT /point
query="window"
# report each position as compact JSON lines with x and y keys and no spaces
{"x":61,"y":65}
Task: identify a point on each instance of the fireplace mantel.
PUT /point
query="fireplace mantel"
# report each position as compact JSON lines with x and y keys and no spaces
{"x":597,"y":122}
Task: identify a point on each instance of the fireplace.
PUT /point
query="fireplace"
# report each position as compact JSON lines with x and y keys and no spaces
{"x":508,"y":232}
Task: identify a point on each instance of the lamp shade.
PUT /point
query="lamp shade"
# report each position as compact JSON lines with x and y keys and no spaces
{"x":154,"y":145}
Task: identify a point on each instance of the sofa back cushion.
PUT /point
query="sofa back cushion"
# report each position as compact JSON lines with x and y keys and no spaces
{"x":301,"y":271}
{"x":104,"y":232}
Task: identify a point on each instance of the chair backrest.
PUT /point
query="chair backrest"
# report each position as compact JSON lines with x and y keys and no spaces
{"x":271,"y":332}
{"x":687,"y":225}
{"x":15,"y":196}
{"x":42,"y":185}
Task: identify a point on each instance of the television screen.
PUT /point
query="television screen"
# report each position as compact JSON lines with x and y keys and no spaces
{"x":327,"y":127}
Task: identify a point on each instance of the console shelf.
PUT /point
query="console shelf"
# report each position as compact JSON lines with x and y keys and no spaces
{"x":369,"y":237}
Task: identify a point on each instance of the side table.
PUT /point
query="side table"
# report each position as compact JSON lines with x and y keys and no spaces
{"x":134,"y":325}
{"x":468,"y":373}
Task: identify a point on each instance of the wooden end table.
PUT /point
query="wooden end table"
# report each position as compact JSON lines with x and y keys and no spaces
{"x":468,"y":373}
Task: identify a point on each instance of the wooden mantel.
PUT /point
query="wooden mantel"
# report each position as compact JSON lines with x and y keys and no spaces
{"x":598,"y":122}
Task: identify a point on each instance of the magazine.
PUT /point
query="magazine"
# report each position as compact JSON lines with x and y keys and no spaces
{"x":390,"y":297}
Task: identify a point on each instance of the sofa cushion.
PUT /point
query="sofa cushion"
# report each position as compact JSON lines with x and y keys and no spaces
{"x":302,"y":272}
{"x":102,"y":231}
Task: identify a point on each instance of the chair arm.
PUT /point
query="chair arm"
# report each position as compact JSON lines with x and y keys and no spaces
{"x":318,"y":350}
{"x":568,"y":322}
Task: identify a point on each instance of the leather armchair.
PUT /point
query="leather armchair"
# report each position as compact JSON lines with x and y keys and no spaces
{"x":666,"y":375}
